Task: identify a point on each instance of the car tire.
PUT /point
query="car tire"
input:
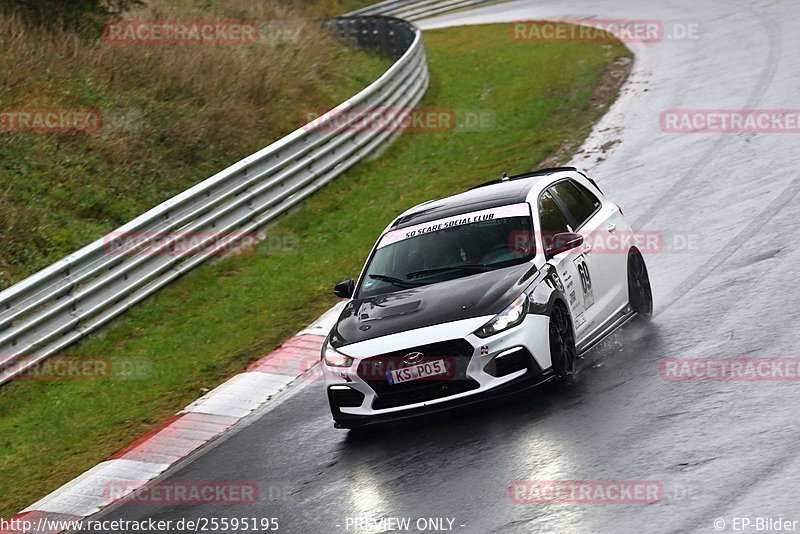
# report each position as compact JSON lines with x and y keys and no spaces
{"x":640,"y":295}
{"x":563,"y":353}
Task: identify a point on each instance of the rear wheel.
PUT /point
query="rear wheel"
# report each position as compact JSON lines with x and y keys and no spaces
{"x":562,"y":343}
{"x":639,"y":294}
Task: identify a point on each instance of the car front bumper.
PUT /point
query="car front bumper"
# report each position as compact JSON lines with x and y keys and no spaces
{"x":491,"y":367}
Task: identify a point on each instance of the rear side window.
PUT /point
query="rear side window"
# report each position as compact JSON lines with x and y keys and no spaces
{"x":580,"y":202}
{"x":552,"y":219}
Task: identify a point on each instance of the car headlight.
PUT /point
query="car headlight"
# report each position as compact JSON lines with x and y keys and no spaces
{"x":334,"y":358}
{"x":508,"y":318}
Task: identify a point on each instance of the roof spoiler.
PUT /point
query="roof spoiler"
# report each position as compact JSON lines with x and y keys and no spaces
{"x":530,"y":174}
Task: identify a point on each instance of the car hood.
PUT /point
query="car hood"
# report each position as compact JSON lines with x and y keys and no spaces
{"x":466,"y":297}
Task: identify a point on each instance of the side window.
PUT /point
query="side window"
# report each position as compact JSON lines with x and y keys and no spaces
{"x":551,"y":218}
{"x":580,"y":202}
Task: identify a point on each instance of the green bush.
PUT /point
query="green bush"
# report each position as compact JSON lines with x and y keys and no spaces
{"x":68,"y":14}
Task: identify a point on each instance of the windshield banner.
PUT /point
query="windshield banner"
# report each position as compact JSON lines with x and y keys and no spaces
{"x":500,"y":212}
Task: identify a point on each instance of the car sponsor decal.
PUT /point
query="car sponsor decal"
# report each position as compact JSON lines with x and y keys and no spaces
{"x":567,"y":284}
{"x":500,"y":212}
{"x":586,"y":281}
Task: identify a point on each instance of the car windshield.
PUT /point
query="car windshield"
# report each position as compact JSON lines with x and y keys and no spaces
{"x":449,"y":248}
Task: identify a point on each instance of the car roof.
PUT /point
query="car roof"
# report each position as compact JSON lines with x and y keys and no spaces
{"x":507,"y":190}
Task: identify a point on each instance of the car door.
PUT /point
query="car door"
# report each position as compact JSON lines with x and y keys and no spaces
{"x":571,"y":267}
{"x":599,"y":223}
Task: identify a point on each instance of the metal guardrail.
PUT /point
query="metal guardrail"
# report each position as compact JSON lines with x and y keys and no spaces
{"x":417,"y":9}
{"x":64,"y":302}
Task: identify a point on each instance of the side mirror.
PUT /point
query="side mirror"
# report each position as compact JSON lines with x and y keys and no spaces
{"x":345,"y":289}
{"x":563,"y":242}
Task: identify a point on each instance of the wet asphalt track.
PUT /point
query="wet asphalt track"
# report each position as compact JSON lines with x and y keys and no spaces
{"x":722,"y":450}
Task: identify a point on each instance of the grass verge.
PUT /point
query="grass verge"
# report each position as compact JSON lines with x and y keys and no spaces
{"x":172,"y":115}
{"x":211,"y":323}
{"x":332,"y":8}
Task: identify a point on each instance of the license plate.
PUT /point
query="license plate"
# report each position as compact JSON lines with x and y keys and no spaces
{"x":415,"y":372}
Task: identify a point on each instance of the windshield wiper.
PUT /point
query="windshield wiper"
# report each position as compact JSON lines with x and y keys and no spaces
{"x":478,"y":267}
{"x":399,"y":282}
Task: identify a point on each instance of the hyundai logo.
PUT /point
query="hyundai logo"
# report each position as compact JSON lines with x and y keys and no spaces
{"x":413,"y":357}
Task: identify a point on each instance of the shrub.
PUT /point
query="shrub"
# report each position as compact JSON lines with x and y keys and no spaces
{"x":68,"y":14}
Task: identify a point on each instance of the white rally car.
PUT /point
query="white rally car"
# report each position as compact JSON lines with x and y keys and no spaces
{"x":481,"y":293}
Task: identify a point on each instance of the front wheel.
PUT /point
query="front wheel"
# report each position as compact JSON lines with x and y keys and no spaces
{"x":639,"y":294}
{"x":562,"y":343}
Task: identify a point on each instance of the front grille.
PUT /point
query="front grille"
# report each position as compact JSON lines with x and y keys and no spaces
{"x":456,"y":355}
